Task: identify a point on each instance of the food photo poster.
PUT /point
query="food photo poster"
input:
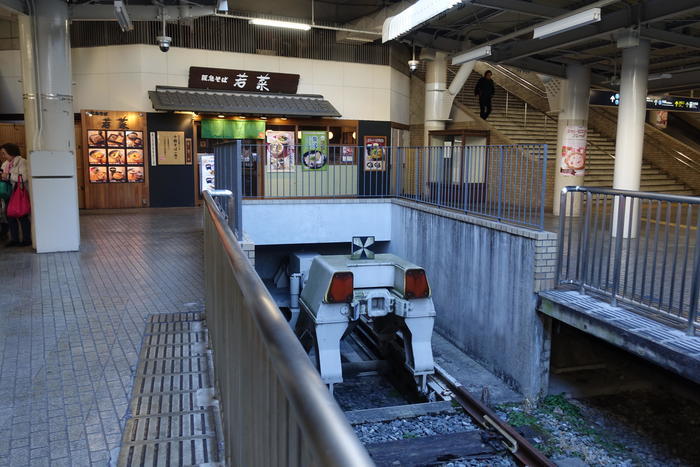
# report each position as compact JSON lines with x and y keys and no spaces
{"x":314,"y":150}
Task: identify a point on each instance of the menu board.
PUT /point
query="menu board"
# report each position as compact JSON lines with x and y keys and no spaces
{"x":375,"y":153}
{"x":280,"y":151}
{"x":171,"y":148}
{"x":314,"y":150}
{"x":115,"y":156}
{"x":206,"y":172}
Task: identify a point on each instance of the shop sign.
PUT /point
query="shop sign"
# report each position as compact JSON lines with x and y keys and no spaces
{"x":242,"y":80}
{"x":314,"y":150}
{"x":672,"y":103}
{"x":572,"y":161}
{"x":280,"y":151}
{"x":375,"y":153}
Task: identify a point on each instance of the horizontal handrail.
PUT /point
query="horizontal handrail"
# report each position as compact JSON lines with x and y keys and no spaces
{"x":328,"y":436}
{"x":632,"y":193}
{"x":637,"y":248}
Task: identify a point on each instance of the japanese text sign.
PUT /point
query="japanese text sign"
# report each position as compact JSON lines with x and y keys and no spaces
{"x":243,"y":80}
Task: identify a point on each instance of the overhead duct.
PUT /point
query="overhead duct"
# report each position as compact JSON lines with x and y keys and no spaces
{"x":371,"y":23}
{"x":438,"y":97}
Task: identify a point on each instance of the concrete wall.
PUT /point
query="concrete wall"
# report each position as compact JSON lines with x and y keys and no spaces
{"x":288,"y":222}
{"x":119,"y":77}
{"x":484,"y":278}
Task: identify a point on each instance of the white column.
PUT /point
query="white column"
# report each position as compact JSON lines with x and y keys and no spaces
{"x":630,"y":118}
{"x":435,"y":89}
{"x":48,"y":103}
{"x":572,"y":132}
{"x":629,"y":145}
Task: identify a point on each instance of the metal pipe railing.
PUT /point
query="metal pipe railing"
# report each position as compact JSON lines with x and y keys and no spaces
{"x":502,"y":182}
{"x":275,"y":408}
{"x":638,"y":249}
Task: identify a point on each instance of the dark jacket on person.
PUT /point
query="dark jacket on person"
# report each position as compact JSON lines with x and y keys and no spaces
{"x":484,"y":88}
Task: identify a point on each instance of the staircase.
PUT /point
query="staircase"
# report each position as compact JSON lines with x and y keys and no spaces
{"x":532,"y":126}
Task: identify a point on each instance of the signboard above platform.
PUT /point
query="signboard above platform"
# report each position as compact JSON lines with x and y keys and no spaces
{"x":670,"y":103}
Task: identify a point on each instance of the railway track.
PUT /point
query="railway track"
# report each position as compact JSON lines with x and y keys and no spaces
{"x":488,"y":436}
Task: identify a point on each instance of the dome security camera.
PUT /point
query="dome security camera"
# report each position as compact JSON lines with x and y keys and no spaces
{"x":164,"y":43}
{"x":413,"y":64}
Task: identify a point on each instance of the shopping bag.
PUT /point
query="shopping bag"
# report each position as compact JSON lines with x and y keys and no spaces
{"x":18,"y":206}
{"x":5,"y":190}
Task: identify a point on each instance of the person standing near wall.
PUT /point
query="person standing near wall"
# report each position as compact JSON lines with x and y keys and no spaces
{"x":485,"y":90}
{"x":14,"y":171}
{"x":4,"y":227}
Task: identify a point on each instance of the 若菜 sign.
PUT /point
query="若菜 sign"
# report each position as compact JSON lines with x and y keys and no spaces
{"x":672,"y":103}
{"x":242,"y":80}
{"x":375,"y":153}
{"x":115,"y":147}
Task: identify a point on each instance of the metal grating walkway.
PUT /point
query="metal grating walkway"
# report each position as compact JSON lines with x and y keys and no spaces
{"x":173,"y":418}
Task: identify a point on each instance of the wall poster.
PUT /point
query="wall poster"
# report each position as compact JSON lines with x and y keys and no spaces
{"x":375,"y":153}
{"x":115,"y":156}
{"x":314,"y":150}
{"x":171,"y":147}
{"x":573,"y":151}
{"x":280,"y":151}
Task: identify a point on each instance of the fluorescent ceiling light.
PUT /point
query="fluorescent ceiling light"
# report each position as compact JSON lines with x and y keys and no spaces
{"x":280,"y":24}
{"x":567,"y":24}
{"x":474,"y":54}
{"x":415,"y":15}
{"x":222,"y":6}
{"x":122,"y":16}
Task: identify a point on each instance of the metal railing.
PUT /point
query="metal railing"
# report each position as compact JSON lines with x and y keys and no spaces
{"x":506,"y":183}
{"x":275,"y":408}
{"x":636,"y":249}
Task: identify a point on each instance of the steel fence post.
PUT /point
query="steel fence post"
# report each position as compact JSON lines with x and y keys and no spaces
{"x":238,"y":189}
{"x":695,"y":287}
{"x":560,"y":237}
{"x":617,"y":262}
{"x":499,"y":207}
{"x":543,"y":188}
{"x":583,"y":255}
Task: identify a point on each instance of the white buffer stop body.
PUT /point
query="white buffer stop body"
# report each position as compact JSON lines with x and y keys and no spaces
{"x":387,"y":290}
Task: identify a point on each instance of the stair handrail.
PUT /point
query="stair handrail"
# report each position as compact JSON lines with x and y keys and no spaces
{"x":654,"y":138}
{"x":546,"y":115}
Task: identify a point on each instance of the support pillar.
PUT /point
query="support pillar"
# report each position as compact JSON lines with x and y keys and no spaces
{"x":49,"y":124}
{"x":629,"y":145}
{"x":572,"y":134}
{"x":435,"y":93}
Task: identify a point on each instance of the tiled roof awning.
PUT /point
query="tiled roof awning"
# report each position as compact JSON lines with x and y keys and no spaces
{"x":210,"y":101}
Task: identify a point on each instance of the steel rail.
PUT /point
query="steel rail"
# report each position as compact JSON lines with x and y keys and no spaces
{"x":330,"y":436}
{"x":521,"y":448}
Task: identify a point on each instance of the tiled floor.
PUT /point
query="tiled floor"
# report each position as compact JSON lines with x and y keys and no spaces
{"x":71,"y":326}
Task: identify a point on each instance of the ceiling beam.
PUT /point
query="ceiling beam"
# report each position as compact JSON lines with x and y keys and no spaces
{"x":16,"y":6}
{"x":423,"y":39}
{"x":649,"y":12}
{"x":671,"y":37}
{"x":678,"y":82}
{"x":105,"y":12}
{"x":519,"y":6}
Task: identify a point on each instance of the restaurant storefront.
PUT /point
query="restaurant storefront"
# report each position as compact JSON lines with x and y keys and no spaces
{"x":293,"y":144}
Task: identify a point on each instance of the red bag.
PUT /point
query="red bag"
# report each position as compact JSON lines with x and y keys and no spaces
{"x":19,"y":206}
